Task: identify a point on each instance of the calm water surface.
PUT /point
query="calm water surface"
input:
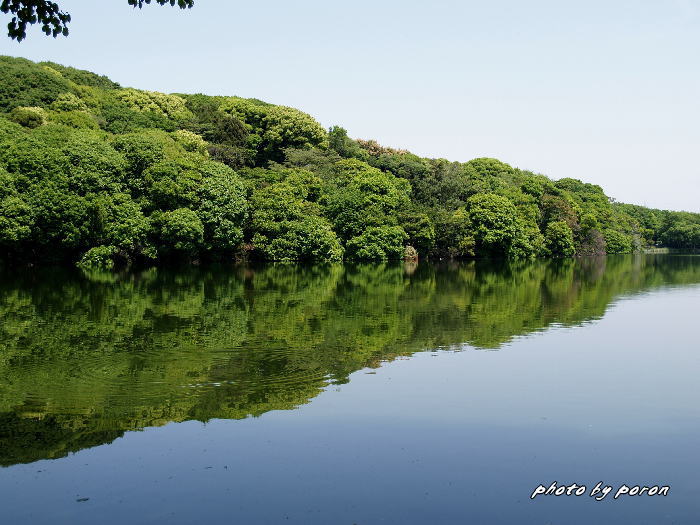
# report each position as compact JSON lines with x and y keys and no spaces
{"x":429,"y":393}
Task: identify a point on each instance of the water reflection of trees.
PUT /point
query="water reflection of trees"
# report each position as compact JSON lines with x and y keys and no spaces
{"x":85,"y":359}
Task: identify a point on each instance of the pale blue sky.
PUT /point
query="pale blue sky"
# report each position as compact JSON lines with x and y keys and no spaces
{"x":604,"y":91}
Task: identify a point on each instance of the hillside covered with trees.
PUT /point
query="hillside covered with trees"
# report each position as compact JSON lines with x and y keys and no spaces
{"x":94,"y":173}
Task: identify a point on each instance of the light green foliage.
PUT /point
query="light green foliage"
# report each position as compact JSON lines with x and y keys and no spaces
{"x":287,"y":223}
{"x":536,"y":185}
{"x":363,"y":196}
{"x":81,"y":77}
{"x":68,"y":102}
{"x":487,"y":167}
{"x":493,"y":220}
{"x":617,"y":242}
{"x":98,"y":258}
{"x":559,"y":239}
{"x":31,"y":158}
{"x":169,"y":106}
{"x":142,"y":150}
{"x":191,"y":142}
{"x":29,"y":117}
{"x":74,"y":119}
{"x":223,"y":208}
{"x":377,"y":243}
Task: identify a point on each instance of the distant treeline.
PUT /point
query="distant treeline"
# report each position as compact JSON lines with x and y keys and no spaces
{"x":103,"y":175}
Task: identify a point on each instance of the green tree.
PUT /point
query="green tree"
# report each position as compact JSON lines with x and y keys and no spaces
{"x":494,"y":222}
{"x":559,"y":239}
{"x":179,"y":230}
{"x":617,"y":242}
{"x":377,"y":243}
{"x":287,"y":223}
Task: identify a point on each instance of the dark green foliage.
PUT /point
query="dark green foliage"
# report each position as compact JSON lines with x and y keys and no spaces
{"x":420,"y":231}
{"x":82,"y":77}
{"x":339,"y":141}
{"x":682,"y":235}
{"x":23,"y":83}
{"x":16,"y":221}
{"x":93,"y":172}
{"x":32,"y":159}
{"x":363,"y":196}
{"x":53,"y":20}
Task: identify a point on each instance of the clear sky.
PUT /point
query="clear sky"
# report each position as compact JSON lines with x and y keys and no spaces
{"x":605,"y":91}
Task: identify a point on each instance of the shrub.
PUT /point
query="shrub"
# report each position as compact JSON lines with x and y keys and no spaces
{"x":171,"y":107}
{"x":191,"y":142}
{"x":68,"y":102}
{"x":98,"y":258}
{"x":74,"y":119}
{"x":278,"y":127}
{"x":308,"y":239}
{"x":29,"y":117}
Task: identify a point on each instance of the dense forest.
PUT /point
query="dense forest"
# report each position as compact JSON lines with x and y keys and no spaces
{"x":102,"y":175}
{"x":86,"y":358}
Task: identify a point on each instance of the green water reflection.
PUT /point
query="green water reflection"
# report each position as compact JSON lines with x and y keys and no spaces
{"x":84,"y":359}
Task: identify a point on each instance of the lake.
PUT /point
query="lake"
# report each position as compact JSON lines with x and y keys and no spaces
{"x":399,"y":393}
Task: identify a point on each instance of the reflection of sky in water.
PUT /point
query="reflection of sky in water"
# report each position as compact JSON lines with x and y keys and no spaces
{"x":452,"y":437}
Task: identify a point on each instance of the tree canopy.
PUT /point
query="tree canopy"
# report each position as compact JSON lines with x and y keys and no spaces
{"x":104,"y":176}
{"x":53,"y":20}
